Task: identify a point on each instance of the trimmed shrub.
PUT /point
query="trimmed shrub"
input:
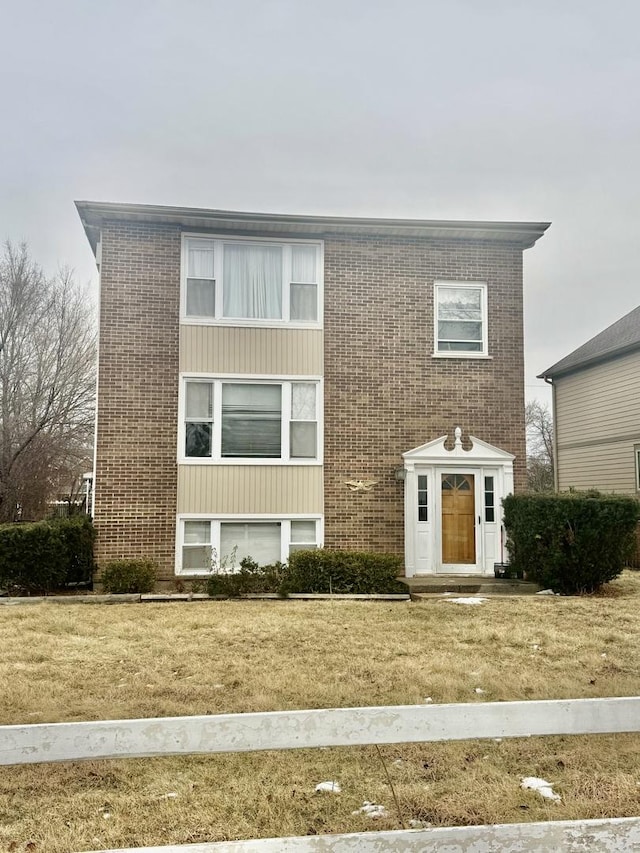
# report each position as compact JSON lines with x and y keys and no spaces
{"x":337,"y":571}
{"x":134,"y":575}
{"x":250,"y":577}
{"x":79,"y":535}
{"x":43,"y":556}
{"x":571,"y":542}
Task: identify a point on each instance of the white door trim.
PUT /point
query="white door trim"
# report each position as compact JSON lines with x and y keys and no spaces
{"x":423,"y":540}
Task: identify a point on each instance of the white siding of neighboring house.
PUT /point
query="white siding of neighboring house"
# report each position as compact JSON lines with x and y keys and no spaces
{"x":597,"y":413}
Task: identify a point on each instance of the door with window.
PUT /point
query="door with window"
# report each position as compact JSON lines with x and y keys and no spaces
{"x":458,"y":511}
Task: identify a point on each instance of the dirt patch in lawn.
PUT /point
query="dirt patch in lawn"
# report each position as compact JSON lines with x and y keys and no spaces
{"x":82,"y":663}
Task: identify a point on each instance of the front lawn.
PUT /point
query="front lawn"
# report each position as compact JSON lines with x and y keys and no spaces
{"x":82,"y":662}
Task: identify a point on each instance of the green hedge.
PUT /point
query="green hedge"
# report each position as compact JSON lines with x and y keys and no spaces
{"x":337,"y":571}
{"x":315,"y":571}
{"x":570,"y":542}
{"x":130,"y":575}
{"x":43,"y":556}
{"x":250,"y":577}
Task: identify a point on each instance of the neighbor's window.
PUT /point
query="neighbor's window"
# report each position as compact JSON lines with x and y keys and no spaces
{"x":230,"y":420}
{"x":460,"y":319}
{"x":247,"y":280}
{"x":212,"y":543}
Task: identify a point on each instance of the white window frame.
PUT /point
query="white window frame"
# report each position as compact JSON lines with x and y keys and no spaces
{"x":218,"y":380}
{"x":636,"y":453}
{"x":219,"y":320}
{"x":217,"y":519}
{"x":470,"y":285}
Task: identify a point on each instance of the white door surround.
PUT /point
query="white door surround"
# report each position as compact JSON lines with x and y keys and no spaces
{"x":492,"y":470}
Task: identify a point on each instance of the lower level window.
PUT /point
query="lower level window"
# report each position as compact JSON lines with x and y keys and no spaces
{"x":210,"y":544}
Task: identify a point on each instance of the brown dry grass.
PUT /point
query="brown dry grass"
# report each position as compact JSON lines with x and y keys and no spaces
{"x":77,"y":662}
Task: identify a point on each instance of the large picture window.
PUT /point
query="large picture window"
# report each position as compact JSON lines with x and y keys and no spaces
{"x":460,"y":319}
{"x":220,"y":544}
{"x":253,"y":282}
{"x":228,"y":420}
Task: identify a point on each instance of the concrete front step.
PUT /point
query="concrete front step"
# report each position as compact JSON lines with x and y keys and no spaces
{"x":468,"y":586}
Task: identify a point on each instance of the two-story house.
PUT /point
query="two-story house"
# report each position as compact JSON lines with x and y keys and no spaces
{"x":271,"y":382}
{"x":596,"y":406}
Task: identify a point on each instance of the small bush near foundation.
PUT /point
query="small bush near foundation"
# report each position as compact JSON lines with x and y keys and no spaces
{"x":122,"y":576}
{"x":44,"y":556}
{"x":250,"y":577}
{"x":572,"y":542}
{"x":325,"y":570}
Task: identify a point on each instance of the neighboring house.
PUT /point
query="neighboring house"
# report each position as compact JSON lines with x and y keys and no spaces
{"x":596,"y":404}
{"x":269,"y":383}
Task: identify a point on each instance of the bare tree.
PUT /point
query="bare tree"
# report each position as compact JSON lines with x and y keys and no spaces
{"x":47,"y":380}
{"x":540,"y":461}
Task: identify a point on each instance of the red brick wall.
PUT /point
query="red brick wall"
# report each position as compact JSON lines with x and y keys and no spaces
{"x":136,"y":470}
{"x":385,"y":393}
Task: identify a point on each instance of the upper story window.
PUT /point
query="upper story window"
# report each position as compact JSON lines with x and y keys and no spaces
{"x":250,"y":282}
{"x":460,"y":319}
{"x":242,"y":420}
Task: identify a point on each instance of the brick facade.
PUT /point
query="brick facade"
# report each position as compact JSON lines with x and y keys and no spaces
{"x":385,"y":393}
{"x":136,"y":468}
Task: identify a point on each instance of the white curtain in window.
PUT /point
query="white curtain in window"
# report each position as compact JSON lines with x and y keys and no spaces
{"x":303,"y":401}
{"x":200,"y":259}
{"x":201,"y":298}
{"x":252,"y":281}
{"x":199,"y":403}
{"x":303,"y":264}
{"x":259,"y":540}
{"x":303,"y":531}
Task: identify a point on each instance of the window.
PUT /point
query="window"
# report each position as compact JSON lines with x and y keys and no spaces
{"x":254,"y":282}
{"x":489,"y":500}
{"x":636,"y":451}
{"x":423,"y":503}
{"x":205,"y":544}
{"x":460,"y":319}
{"x":246,"y":420}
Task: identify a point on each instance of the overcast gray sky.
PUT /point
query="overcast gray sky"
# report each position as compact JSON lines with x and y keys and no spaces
{"x":455,"y":109}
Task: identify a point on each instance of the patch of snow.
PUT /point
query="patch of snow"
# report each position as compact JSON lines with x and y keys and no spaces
{"x":497,"y":739}
{"x":535,"y":647}
{"x":170,"y":796}
{"x":419,"y":824}
{"x":543,"y":787}
{"x":479,"y":690}
{"x":467,"y":600}
{"x":446,"y":593}
{"x":371,"y":810}
{"x":398,"y":762}
{"x":330,"y":787}
{"x":603,"y":655}
{"x":427,"y":700}
{"x":546,"y":592}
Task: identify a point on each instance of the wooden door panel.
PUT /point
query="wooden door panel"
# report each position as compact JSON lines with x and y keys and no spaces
{"x":458,"y":519}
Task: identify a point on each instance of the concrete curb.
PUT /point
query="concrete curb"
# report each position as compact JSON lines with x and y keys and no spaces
{"x":157,"y":598}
